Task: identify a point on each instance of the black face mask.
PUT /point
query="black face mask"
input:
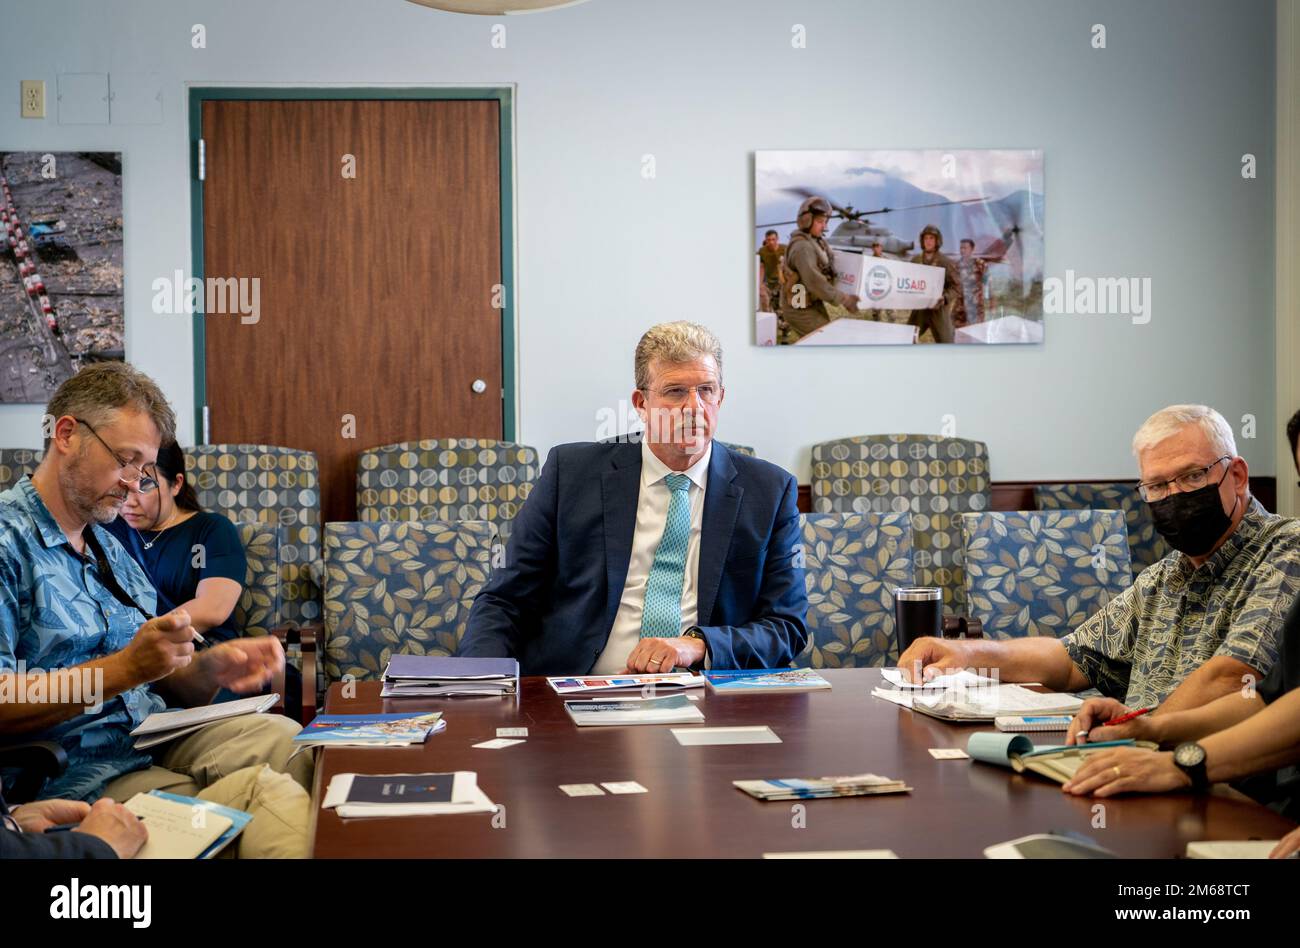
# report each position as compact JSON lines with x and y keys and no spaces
{"x":1192,"y":521}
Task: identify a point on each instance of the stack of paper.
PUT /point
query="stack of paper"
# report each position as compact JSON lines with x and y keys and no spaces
{"x":163,"y":726}
{"x":798,"y":788}
{"x":988,"y":703}
{"x":602,"y":683}
{"x":360,"y":795}
{"x":434,"y":676}
{"x":369,"y":730}
{"x":675,"y":709}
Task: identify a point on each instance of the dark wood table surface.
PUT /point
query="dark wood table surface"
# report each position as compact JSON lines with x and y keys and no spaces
{"x":956,"y":809}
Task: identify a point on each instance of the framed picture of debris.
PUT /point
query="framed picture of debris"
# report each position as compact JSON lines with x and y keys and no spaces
{"x":898,"y":247}
{"x":60,"y":268}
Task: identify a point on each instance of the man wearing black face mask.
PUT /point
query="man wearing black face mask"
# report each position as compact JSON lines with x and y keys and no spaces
{"x":1198,"y":624}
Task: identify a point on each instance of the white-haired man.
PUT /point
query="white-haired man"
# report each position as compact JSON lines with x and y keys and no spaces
{"x":1195,"y":626}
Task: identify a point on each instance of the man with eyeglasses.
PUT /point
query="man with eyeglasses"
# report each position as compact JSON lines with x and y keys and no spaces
{"x":1201,"y":622}
{"x":82,"y":659}
{"x":651,"y":554}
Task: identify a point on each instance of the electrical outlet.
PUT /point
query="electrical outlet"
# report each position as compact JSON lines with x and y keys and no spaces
{"x":33,"y":97}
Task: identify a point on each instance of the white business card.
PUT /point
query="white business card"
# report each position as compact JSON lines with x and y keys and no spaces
{"x":582,"y":790}
{"x":625,"y":786}
{"x":496,"y":744}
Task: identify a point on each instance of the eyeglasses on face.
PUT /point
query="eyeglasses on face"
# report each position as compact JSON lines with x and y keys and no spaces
{"x":130,"y":474}
{"x":1194,"y":479}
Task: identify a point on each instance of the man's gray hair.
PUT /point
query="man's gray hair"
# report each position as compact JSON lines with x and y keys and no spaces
{"x":98,"y":391}
{"x":1168,"y":422}
{"x":675,"y":343}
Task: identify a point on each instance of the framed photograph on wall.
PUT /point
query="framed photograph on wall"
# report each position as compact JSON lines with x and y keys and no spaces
{"x":61,"y":302}
{"x":898,"y":247}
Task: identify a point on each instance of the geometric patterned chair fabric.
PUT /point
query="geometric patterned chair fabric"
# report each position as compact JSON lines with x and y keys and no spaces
{"x":740,"y":448}
{"x":17,"y":462}
{"x":853,"y":563}
{"x":278,"y":487}
{"x":934,"y":478}
{"x":446,"y":480}
{"x":1146,"y":546}
{"x":260,"y":602}
{"x":1042,"y":572}
{"x":399,"y":587}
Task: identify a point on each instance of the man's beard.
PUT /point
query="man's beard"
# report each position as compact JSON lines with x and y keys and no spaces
{"x":84,"y":501}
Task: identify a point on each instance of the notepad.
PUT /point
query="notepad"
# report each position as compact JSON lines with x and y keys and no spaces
{"x":1056,"y":762}
{"x":355,"y":796}
{"x":961,"y":678}
{"x":163,"y":726}
{"x":174,"y":832}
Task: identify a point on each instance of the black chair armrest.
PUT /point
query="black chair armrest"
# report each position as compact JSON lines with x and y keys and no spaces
{"x":36,"y":762}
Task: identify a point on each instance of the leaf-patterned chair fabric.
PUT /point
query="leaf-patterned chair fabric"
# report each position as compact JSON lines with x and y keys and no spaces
{"x":446,"y":480}
{"x":259,"y":605}
{"x":1146,"y":546}
{"x":1042,"y":572}
{"x":257,"y":483}
{"x":852,"y":564}
{"x":401,"y":587}
{"x":935,"y":478}
{"x":740,"y":448}
{"x":15,"y":463}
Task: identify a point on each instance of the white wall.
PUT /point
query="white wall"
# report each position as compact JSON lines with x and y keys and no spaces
{"x":1142,"y":143}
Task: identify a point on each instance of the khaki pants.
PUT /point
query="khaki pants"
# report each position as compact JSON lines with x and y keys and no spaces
{"x":241,"y":763}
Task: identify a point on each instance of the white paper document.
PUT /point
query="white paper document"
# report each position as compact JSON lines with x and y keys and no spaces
{"x":699,"y":736}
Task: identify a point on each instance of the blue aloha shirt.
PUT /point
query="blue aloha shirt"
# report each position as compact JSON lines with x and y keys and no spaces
{"x":56,"y":613}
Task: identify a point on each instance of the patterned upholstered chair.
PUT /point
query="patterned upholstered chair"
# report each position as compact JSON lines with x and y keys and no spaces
{"x":1042,"y":572}
{"x":448,"y":480}
{"x":400,"y":587}
{"x":16,"y":462}
{"x":852,"y":564}
{"x":256,"y":483}
{"x":275,"y":489}
{"x":740,"y":448}
{"x":259,"y":606}
{"x":1146,"y":546}
{"x":934,"y":478}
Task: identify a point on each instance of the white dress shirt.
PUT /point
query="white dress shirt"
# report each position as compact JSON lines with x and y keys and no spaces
{"x":651,"y":516}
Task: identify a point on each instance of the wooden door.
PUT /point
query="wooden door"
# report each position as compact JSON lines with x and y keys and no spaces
{"x":373,"y":230}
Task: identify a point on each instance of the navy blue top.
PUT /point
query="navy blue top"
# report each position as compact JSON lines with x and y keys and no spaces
{"x":169,"y":562}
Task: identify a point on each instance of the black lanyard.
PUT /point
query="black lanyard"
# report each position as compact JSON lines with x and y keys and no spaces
{"x":108,"y":579}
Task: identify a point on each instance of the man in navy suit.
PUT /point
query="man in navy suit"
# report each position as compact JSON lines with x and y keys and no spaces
{"x":642,"y":556}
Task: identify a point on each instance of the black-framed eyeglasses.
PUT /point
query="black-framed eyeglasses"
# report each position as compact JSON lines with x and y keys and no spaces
{"x":130,"y":474}
{"x":1189,"y":480}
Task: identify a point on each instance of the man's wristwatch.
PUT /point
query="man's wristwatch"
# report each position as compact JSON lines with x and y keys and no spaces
{"x":695,"y":632}
{"x":1189,"y":757}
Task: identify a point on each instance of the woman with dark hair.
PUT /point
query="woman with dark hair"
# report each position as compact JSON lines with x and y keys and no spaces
{"x":193,"y":558}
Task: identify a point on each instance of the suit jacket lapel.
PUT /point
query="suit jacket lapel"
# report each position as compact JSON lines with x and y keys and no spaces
{"x":620,"y":488}
{"x":721,"y":506}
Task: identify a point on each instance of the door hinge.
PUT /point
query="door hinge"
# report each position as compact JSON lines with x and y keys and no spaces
{"x":206,"y":425}
{"x":203,"y":160}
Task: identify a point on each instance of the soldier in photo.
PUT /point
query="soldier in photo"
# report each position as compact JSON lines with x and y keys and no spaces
{"x":939,"y":319}
{"x":811,"y":286}
{"x":771,"y":275}
{"x":971,"y":272}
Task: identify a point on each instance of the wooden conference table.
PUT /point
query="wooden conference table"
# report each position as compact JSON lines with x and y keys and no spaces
{"x":957,"y":807}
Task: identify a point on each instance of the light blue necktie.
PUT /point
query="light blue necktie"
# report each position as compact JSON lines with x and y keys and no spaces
{"x":662,"y":615}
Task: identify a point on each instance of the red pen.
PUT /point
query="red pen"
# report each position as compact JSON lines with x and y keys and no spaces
{"x":1122,"y":719}
{"x":1125,"y":718}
